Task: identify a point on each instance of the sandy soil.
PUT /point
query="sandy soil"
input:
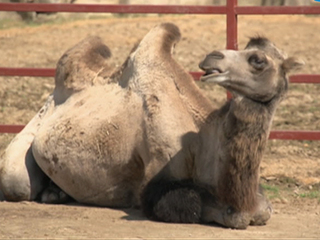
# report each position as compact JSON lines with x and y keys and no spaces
{"x":291,"y":169}
{"x":32,"y":220}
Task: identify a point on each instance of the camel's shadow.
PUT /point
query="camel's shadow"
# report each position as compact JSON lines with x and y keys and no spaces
{"x":135,"y":214}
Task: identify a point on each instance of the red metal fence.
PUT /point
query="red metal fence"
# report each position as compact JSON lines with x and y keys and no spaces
{"x":231,"y":10}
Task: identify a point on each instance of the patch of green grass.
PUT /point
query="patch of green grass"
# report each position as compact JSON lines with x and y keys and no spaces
{"x":9,"y":23}
{"x":271,"y":191}
{"x":313,"y":109}
{"x":311,"y":195}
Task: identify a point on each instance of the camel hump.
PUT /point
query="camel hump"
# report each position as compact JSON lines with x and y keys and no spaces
{"x":171,"y":37}
{"x":81,"y":65}
{"x":158,"y":42}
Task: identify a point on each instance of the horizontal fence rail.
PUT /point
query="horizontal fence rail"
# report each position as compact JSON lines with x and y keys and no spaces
{"x":111,"y":8}
{"x":275,"y":134}
{"x":162,"y":9}
{"x":50,"y":72}
{"x":231,"y":10}
{"x":277,"y":10}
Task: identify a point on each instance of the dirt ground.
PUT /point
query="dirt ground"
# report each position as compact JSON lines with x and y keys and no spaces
{"x":290,"y":170}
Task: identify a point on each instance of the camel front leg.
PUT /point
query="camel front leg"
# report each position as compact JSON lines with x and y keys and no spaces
{"x":183,"y":201}
{"x":213,"y":211}
{"x":20,"y":177}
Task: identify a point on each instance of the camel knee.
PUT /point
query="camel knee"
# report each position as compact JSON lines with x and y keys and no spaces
{"x":181,"y":206}
{"x":172,"y":201}
{"x":14,"y":188}
{"x":13,"y":185}
{"x":21,"y":180}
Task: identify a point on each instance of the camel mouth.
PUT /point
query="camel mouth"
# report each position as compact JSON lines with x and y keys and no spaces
{"x":212,"y":71}
{"x":214,"y":75}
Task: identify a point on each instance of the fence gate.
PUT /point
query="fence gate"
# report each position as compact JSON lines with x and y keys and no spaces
{"x":231,"y":10}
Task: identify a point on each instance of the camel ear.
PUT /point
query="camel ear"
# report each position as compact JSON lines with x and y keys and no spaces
{"x":292,"y":63}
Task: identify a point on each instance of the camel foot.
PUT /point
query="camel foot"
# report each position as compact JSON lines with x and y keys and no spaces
{"x":53,"y":194}
{"x":261,"y":217}
{"x":264,"y":211}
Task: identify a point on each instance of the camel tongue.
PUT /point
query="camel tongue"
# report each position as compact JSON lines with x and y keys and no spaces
{"x":215,"y":76}
{"x":212,"y":71}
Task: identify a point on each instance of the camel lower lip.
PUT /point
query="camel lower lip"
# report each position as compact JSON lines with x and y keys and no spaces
{"x":215,"y":77}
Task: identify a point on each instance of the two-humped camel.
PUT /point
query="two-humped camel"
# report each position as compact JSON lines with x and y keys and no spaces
{"x":145,"y":134}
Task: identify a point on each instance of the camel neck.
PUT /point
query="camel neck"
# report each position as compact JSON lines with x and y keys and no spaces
{"x":246,"y":131}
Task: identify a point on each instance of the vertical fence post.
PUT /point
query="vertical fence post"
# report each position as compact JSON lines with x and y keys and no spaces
{"x":232,"y":29}
{"x":232,"y":25}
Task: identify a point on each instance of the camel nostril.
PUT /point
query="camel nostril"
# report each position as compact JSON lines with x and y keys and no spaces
{"x":216,"y":55}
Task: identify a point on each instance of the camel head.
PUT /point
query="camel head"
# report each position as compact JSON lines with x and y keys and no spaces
{"x":259,"y":72}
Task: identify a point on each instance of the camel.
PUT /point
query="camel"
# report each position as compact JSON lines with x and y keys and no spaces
{"x":230,"y":143}
{"x":144,"y":135}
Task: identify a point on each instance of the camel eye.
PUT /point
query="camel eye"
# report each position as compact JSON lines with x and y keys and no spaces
{"x":258,"y":62}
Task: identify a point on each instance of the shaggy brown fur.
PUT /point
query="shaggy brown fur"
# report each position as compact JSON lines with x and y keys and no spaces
{"x":243,"y":124}
{"x":246,"y":129}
